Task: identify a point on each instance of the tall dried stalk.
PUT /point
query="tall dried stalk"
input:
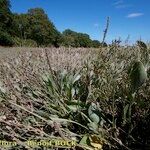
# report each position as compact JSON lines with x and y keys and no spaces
{"x":106,"y":30}
{"x":48,"y":61}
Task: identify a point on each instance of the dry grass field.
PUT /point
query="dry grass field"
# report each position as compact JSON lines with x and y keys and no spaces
{"x":58,"y":57}
{"x":79,"y":94}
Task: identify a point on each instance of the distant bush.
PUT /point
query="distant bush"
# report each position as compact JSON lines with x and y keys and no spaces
{"x":24,"y":42}
{"x":5,"y":39}
{"x":76,"y":39}
{"x":96,"y":44}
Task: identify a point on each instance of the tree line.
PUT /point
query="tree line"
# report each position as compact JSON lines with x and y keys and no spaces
{"x":34,"y":28}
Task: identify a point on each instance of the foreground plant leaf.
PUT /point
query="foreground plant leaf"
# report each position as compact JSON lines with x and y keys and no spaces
{"x":85,"y":140}
{"x":92,"y":140}
{"x":138,"y":75}
{"x":92,"y":115}
{"x":93,"y":127}
{"x":96,"y":142}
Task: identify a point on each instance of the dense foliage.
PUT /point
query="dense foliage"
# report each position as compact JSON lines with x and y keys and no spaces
{"x":36,"y":26}
{"x":5,"y":23}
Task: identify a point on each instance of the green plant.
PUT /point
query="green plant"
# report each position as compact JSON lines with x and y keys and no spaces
{"x":24,"y":43}
{"x":138,"y":75}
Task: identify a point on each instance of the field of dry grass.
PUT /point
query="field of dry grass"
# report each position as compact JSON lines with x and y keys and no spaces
{"x":73,"y":94}
{"x":59,"y":57}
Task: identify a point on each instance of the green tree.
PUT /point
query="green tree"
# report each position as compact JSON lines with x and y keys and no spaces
{"x":5,"y":39}
{"x":69,"y":32}
{"x":5,"y":23}
{"x":5,"y":14}
{"x":75,"y":39}
{"x":82,"y":40}
{"x":42,"y":30}
{"x":21,"y":26}
{"x":96,"y":44}
{"x":68,"y":38}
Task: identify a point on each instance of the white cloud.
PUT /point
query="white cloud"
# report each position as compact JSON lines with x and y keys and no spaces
{"x":96,"y":25}
{"x":133,"y":15}
{"x":121,"y":5}
{"x":118,"y":2}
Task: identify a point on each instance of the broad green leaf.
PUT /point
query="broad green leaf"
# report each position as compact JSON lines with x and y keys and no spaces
{"x":76,"y":78}
{"x":93,"y":126}
{"x":92,"y":115}
{"x":138,"y":75}
{"x":84,"y":140}
{"x":73,"y":108}
{"x":96,"y":142}
{"x":125,"y":111}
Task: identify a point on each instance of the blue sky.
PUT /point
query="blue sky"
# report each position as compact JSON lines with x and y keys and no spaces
{"x":127,"y":17}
